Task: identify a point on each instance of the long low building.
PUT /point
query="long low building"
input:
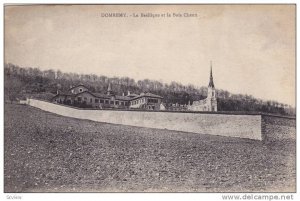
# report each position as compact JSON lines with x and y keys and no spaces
{"x":80,"y":96}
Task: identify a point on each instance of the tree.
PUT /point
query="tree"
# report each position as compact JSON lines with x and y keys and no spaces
{"x":12,"y":88}
{"x":19,"y":81}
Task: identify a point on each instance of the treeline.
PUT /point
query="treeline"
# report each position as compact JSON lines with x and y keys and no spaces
{"x":22,"y":82}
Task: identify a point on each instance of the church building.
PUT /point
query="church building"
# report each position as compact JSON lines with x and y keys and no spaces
{"x":210,"y":103}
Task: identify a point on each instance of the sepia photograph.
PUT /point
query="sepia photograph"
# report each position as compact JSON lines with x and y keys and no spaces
{"x":149,"y":98}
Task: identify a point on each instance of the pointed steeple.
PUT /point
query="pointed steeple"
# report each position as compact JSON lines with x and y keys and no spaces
{"x":211,"y":80}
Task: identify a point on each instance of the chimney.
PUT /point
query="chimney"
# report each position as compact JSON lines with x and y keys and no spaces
{"x":123,"y":94}
{"x":128,"y":93}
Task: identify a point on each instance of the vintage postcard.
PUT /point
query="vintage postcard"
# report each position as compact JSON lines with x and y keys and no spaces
{"x":150,"y":98}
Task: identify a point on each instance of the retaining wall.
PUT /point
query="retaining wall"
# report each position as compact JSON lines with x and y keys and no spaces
{"x":242,"y":126}
{"x":278,"y":128}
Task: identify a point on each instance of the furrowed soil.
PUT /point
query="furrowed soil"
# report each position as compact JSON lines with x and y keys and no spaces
{"x":44,"y":152}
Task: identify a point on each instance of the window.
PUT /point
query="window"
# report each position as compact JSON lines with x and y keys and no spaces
{"x":96,"y":100}
{"x":91,"y":100}
{"x":79,"y":99}
{"x":150,"y":100}
{"x":117,"y":102}
{"x":122,"y":103}
{"x":80,"y":90}
{"x":85,"y":98}
{"x":106,"y":102}
{"x":111,"y":102}
{"x":101,"y":101}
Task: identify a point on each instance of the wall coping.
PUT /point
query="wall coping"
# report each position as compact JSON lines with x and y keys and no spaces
{"x":168,"y":111}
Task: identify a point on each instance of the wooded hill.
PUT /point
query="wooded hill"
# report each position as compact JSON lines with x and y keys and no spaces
{"x":20,"y":82}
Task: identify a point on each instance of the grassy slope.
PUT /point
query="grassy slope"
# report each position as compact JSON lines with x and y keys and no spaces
{"x":45,"y":152}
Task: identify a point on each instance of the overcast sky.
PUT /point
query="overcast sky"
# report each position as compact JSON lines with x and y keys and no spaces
{"x":252,"y":47}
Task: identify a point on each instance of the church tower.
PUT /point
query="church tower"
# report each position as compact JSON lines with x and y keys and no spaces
{"x":210,"y":103}
{"x":211,"y":92}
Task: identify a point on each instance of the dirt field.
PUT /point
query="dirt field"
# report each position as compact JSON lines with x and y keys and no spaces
{"x":50,"y":153}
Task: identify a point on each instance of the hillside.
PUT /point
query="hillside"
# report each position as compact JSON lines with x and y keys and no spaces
{"x":22,"y":82}
{"x":45,"y":152}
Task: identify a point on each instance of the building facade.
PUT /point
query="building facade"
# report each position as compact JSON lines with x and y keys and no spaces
{"x":80,"y":96}
{"x":147,"y":101}
{"x":208,"y":104}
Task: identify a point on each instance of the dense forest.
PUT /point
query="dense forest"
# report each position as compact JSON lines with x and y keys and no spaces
{"x":21,"y":82}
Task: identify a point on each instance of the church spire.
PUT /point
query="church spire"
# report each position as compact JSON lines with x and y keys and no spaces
{"x":211,"y":80}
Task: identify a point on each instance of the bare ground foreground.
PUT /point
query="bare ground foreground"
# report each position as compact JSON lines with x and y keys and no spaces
{"x":45,"y":152}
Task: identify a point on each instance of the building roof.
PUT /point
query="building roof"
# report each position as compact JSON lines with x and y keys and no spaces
{"x":105,"y":96}
{"x":66,"y":93}
{"x":100,"y":95}
{"x":108,"y":96}
{"x":60,"y":93}
{"x":84,"y":92}
{"x":125,"y":98}
{"x":132,"y":95}
{"x":147,"y":95}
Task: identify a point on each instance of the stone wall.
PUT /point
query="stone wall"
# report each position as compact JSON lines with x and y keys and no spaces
{"x":278,"y":128}
{"x":232,"y":125}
